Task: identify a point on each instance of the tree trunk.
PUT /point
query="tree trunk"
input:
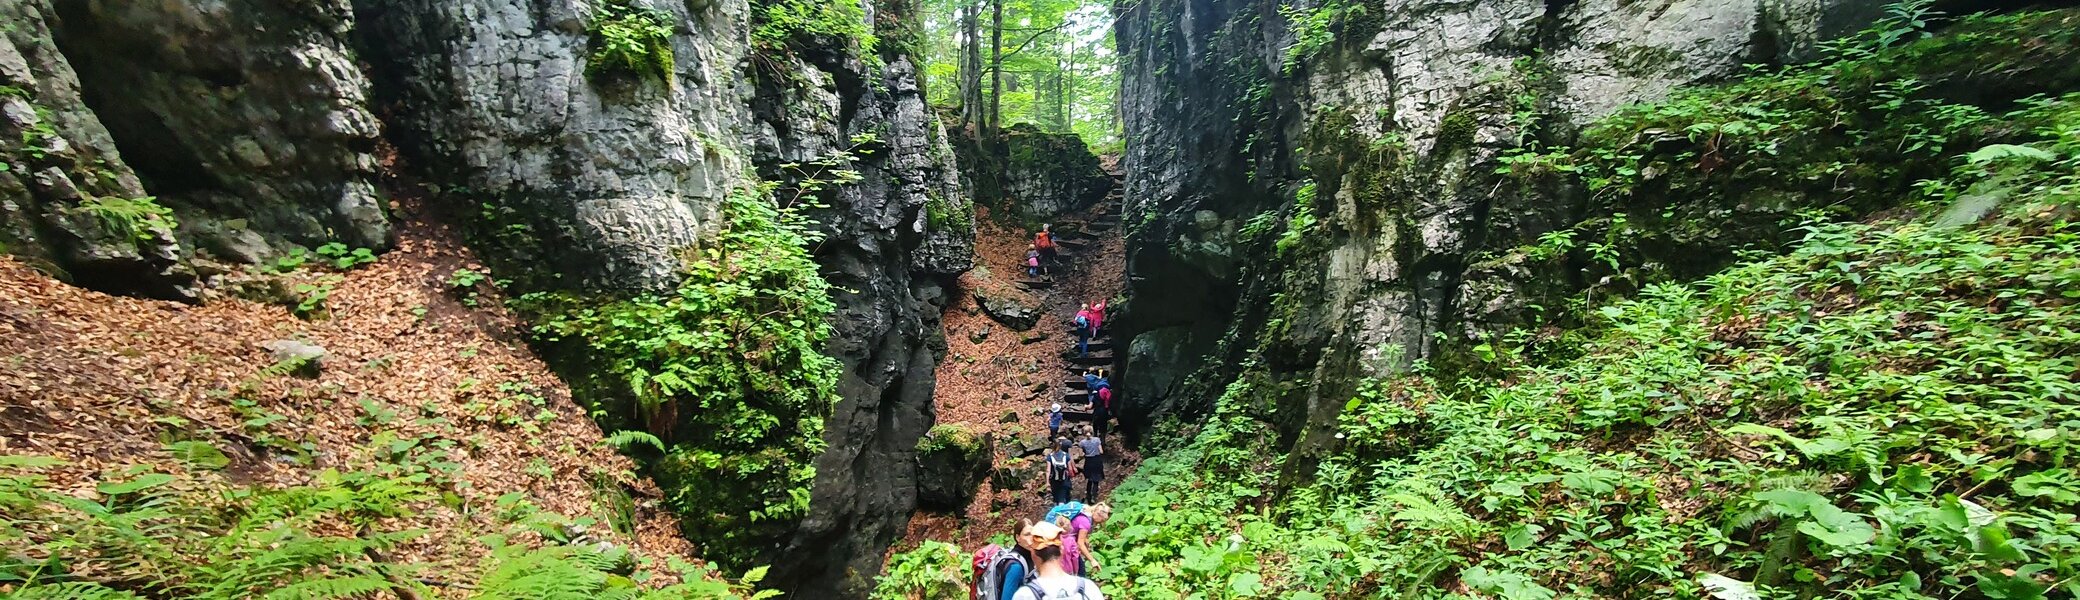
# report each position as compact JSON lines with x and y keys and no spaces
{"x":1065,"y":82}
{"x":971,"y":66}
{"x":996,"y":67}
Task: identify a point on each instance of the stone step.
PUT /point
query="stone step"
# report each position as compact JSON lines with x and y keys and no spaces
{"x":1096,"y":346}
{"x":1034,"y":283}
{"x":1095,"y":360}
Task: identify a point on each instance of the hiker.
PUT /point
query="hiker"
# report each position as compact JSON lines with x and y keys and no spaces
{"x":1051,"y":578}
{"x":1054,"y":421}
{"x":1076,"y":541}
{"x":1101,"y":408}
{"x":1044,"y":242}
{"x":1000,"y":571}
{"x":1097,"y":318}
{"x":1082,"y":321}
{"x":1032,"y":262}
{"x":1059,"y":470}
{"x":1093,"y":449}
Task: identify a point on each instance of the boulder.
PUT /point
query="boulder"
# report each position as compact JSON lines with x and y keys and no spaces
{"x":951,"y":462}
{"x":1012,"y":314}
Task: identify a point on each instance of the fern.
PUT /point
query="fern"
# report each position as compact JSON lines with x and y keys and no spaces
{"x":78,"y":590}
{"x":626,"y":438}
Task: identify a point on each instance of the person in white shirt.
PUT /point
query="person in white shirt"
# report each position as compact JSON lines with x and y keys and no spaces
{"x":1051,"y":581}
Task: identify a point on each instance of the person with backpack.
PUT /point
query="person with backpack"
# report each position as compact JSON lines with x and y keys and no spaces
{"x":999,"y":571}
{"x":1051,"y":577}
{"x":1059,"y":471}
{"x":1101,"y":408}
{"x":1093,"y":463}
{"x":1082,"y":321}
{"x":1076,"y":539}
{"x":1054,"y":422}
{"x":1032,"y":262}
{"x":1097,"y":318}
{"x":1044,"y":241}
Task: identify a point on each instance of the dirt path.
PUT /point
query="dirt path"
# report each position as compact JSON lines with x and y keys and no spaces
{"x":1002,"y":382}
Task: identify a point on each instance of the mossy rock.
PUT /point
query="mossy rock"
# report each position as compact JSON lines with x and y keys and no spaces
{"x":951,"y":462}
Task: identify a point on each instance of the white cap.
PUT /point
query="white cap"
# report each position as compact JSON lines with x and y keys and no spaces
{"x":1058,"y":406}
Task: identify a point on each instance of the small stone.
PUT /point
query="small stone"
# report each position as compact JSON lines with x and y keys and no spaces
{"x":1010,"y":416}
{"x":1033,"y":339}
{"x":979,"y":335}
{"x":308,"y":358}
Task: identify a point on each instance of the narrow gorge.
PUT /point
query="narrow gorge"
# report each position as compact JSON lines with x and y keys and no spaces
{"x":1517,"y":299}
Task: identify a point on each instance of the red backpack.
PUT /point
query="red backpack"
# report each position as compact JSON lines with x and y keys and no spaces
{"x":990,"y":563}
{"x":1105,"y":397}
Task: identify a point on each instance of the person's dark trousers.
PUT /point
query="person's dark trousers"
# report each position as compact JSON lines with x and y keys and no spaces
{"x":1094,"y":473}
{"x":1061,"y":491}
{"x":1099,"y":416}
{"x":1083,"y":341}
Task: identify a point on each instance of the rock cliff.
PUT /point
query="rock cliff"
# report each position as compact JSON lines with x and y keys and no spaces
{"x":1312,"y":188}
{"x":1029,"y":176}
{"x":260,"y":127}
{"x":884,"y":244}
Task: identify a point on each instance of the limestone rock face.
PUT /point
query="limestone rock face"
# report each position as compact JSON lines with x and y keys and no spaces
{"x":1032,"y":175}
{"x":880,"y":242}
{"x":597,"y":185}
{"x":1391,"y":134}
{"x":256,"y":122}
{"x":247,"y":116}
{"x":63,"y":175}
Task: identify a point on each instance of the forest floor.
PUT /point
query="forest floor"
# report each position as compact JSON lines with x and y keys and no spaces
{"x":1002,"y":383}
{"x":418,"y":370}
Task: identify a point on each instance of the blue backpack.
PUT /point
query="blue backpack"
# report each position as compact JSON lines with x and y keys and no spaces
{"x":1066,"y":510}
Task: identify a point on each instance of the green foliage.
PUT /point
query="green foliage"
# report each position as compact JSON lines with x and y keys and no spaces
{"x":167,"y":535}
{"x":343,"y":258}
{"x":932,"y":571}
{"x":1314,"y":28}
{"x":783,"y":26}
{"x":1885,"y":412}
{"x":628,"y":40}
{"x":1301,"y":224}
{"x":139,"y":219}
{"x":941,"y":215}
{"x":945,"y":436}
{"x":727,"y":370}
{"x":629,"y":438}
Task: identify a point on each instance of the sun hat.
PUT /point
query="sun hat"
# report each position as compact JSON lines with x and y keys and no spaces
{"x":1040,"y":535}
{"x":1058,"y":407}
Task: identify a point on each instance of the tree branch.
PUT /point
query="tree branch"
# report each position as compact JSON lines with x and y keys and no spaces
{"x":1029,"y":40}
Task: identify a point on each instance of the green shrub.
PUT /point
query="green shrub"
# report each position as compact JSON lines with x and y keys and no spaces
{"x":632,"y":41}
{"x":140,"y":219}
{"x":727,"y":370}
{"x":172,"y":535}
{"x":781,"y":26}
{"x":933,"y":571}
{"x":1885,"y":412}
